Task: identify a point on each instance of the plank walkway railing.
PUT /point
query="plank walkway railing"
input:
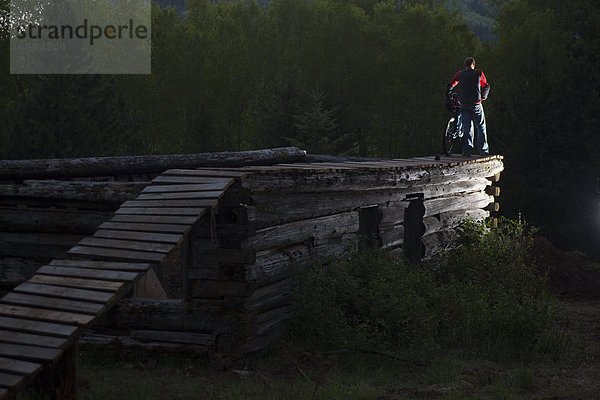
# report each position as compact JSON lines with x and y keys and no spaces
{"x":41,"y":319}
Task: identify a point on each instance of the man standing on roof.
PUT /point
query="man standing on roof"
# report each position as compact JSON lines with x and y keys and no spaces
{"x":472,"y":89}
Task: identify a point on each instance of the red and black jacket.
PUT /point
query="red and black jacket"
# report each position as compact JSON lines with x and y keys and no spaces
{"x":472,"y":86}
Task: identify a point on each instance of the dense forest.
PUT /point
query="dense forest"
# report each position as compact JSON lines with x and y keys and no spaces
{"x":353,"y":77}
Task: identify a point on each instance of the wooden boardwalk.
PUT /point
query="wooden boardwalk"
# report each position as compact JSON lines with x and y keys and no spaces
{"x":41,"y":319}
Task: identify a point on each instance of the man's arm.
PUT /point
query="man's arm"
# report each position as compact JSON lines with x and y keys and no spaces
{"x":453,"y":83}
{"x":485,"y":87}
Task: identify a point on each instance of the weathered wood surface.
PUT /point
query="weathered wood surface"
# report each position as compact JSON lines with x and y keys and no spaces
{"x":392,"y":236}
{"x":40,"y":314}
{"x":125,"y":340}
{"x":53,"y":303}
{"x":452,"y":219}
{"x":105,"y":166}
{"x":104,"y":265}
{"x":172,"y":315}
{"x":37,"y":327}
{"x":36,"y":245}
{"x":311,"y":230}
{"x":19,"y":367}
{"x":77,"y":283}
{"x":48,"y":220}
{"x":26,"y":338}
{"x":201,"y":339}
{"x":101,"y":274}
{"x":105,"y":253}
{"x":477,"y":200}
{"x":438,"y":241}
{"x":63,"y":292}
{"x":155,"y":219}
{"x":13,"y":271}
{"x":279,"y":263}
{"x":101,"y":192}
{"x":271,"y":209}
{"x":146,"y":227}
{"x":368,"y":180}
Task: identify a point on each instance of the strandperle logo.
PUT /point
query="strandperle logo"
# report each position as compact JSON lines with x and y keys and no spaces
{"x":80,"y":37}
{"x":85,"y":31}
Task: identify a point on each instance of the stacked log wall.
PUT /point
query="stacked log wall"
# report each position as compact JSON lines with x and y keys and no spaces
{"x":240,"y":262}
{"x":47,"y":206}
{"x":274,"y":225}
{"x":41,"y":220}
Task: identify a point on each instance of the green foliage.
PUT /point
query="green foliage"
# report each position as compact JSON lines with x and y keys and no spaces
{"x":487,"y":297}
{"x":366,"y":301}
{"x":50,"y":121}
{"x":234,"y":75}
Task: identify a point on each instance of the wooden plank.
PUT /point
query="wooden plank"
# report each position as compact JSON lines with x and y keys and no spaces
{"x":40,"y":314}
{"x":183,"y":187}
{"x":141,"y":236}
{"x":142,"y":227}
{"x":27,"y":338}
{"x":212,"y":183}
{"x":127,"y":244}
{"x":495,"y":177}
{"x":181,"y":195}
{"x":108,"y":265}
{"x":29,"y":352}
{"x":155,"y":219}
{"x":162,"y":211}
{"x":10,"y":380}
{"x":20,"y":367}
{"x":493,"y":190}
{"x":88,"y":273}
{"x":493,"y":207}
{"x":38,"y":327}
{"x":205,"y":172}
{"x":53,"y":303}
{"x":64,"y":292}
{"x":117,"y":254}
{"x":199,"y":339}
{"x":194,"y":203}
{"x":78,"y":283}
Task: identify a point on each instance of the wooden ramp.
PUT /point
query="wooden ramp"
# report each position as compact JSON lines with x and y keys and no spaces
{"x":41,"y":319}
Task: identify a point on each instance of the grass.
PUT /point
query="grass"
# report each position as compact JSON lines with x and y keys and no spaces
{"x":482,"y":325}
{"x":289,"y":372}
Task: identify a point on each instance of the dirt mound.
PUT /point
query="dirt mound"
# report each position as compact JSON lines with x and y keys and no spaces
{"x":571,"y":274}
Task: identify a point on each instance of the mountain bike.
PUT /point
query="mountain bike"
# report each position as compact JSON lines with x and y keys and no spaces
{"x":453,"y":135}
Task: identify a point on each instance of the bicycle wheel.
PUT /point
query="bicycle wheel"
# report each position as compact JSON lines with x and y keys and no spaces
{"x":450,"y":140}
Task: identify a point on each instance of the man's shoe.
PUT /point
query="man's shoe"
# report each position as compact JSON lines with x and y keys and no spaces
{"x":466,"y":154}
{"x":484,"y":153}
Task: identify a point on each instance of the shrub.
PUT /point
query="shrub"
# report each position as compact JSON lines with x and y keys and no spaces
{"x":367,"y":300}
{"x":485,"y":296}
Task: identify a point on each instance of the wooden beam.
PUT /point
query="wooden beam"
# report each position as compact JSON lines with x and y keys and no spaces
{"x":64,"y":292}
{"x":128,"y":165}
{"x":39,"y":314}
{"x":101,"y":192}
{"x":51,"y":220}
{"x":37,"y":327}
